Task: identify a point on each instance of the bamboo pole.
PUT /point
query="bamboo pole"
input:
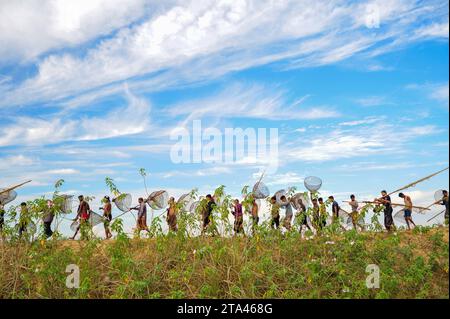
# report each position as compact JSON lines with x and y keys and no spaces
{"x":418,"y":181}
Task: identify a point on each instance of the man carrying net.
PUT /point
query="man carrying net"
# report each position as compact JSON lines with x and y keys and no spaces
{"x":142,"y":216}
{"x":83,"y":213}
{"x":172,"y":212}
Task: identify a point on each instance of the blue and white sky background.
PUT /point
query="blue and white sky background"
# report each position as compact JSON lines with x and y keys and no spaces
{"x":92,"y":88}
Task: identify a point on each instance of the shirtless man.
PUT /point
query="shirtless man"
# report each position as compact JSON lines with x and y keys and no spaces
{"x":407,"y":210}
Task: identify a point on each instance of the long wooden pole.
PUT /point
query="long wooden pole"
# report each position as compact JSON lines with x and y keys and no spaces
{"x":395,"y":204}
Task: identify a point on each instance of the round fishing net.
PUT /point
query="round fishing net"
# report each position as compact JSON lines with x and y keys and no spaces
{"x":123,"y":202}
{"x":185,"y":202}
{"x":438,"y":195}
{"x":300,"y":198}
{"x":260,"y":191}
{"x":7,"y":197}
{"x":194,"y":208}
{"x":158,"y":200}
{"x":65,"y":203}
{"x":313,"y":183}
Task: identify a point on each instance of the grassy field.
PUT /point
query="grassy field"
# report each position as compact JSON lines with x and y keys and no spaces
{"x":412,"y":265}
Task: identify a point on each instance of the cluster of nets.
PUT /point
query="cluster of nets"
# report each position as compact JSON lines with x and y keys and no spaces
{"x":313,"y":183}
{"x":123,"y":202}
{"x":158,"y":200}
{"x":7,"y":197}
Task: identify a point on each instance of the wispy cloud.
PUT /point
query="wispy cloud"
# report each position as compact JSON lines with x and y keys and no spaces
{"x":194,"y":40}
{"x":131,"y":119}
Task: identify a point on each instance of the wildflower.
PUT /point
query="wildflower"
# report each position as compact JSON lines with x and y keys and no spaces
{"x":330,"y":243}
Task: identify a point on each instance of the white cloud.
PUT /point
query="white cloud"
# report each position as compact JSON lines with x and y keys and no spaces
{"x":365,"y":141}
{"x":197,"y":40}
{"x":372,"y":101}
{"x":434,"y":30}
{"x":440,"y":93}
{"x":255,"y":101}
{"x":131,"y":119}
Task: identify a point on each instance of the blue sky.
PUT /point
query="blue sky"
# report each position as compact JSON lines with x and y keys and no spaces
{"x":93,"y":89}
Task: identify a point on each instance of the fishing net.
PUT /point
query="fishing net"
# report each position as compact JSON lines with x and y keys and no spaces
{"x":260,"y":191}
{"x":66,"y":203}
{"x":438,"y":195}
{"x":194,"y":207}
{"x":280,"y":194}
{"x":400,"y":216}
{"x":185,"y":202}
{"x":313,"y":183}
{"x":94,"y":220}
{"x":7,"y":197}
{"x":158,"y":200}
{"x":299,"y":198}
{"x":123,"y":202}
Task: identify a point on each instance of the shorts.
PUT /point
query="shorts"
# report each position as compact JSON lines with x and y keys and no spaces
{"x":408,"y":213}
{"x":206,"y":220}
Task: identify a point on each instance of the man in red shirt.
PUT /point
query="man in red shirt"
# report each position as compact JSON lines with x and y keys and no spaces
{"x":83,"y":213}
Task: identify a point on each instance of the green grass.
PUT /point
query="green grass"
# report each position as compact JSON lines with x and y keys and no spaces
{"x":270,"y":265}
